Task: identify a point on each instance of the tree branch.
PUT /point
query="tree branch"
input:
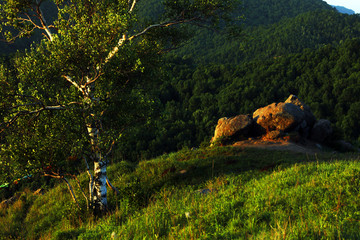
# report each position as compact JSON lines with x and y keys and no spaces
{"x":82,"y":191}
{"x":161,"y":25}
{"x":37,"y":111}
{"x":110,"y":150}
{"x":91,"y":183}
{"x":55,"y":175}
{"x":69,"y":79}
{"x":132,"y":5}
{"x":115,"y":49}
{"x":71,"y":191}
{"x":147,"y":29}
{"x":43,"y":20}
{"x":112,"y":186}
{"x":30,"y":20}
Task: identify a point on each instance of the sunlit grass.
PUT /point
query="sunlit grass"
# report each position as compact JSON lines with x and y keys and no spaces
{"x":211,"y":193}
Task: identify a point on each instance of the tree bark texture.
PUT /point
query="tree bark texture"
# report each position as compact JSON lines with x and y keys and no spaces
{"x":98,"y":190}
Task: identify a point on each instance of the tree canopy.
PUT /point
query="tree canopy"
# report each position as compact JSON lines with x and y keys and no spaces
{"x":68,"y":98}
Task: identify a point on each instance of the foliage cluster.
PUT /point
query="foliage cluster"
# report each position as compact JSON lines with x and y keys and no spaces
{"x":69,"y":97}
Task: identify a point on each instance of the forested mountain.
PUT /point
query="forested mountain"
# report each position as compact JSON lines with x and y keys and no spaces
{"x":256,"y":12}
{"x":309,"y":50}
{"x":308,"y":30}
{"x":269,"y":28}
{"x":344,"y":10}
{"x":264,"y":12}
{"x":196,"y":97}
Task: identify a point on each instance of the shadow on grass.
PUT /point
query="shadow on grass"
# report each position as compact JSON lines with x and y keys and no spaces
{"x":197,"y":167}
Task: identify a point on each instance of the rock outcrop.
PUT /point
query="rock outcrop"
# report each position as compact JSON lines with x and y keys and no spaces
{"x":290,"y":120}
{"x":321,"y":130}
{"x":231,"y":128}
{"x":309,"y":116}
{"x":279,"y":116}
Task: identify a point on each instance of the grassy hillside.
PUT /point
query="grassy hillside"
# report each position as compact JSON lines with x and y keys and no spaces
{"x":208,"y":193}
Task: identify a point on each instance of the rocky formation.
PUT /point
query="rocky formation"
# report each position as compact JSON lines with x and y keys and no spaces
{"x":309,"y":116}
{"x":229,"y":129}
{"x":279,"y":116}
{"x":321,"y":130}
{"x":290,"y":120}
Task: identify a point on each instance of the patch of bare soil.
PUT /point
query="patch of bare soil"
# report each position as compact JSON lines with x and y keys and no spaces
{"x":305,"y":146}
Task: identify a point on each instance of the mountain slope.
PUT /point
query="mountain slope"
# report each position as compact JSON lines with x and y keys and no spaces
{"x":308,"y":30}
{"x":256,"y":12}
{"x":344,"y":10}
{"x":265,"y":12}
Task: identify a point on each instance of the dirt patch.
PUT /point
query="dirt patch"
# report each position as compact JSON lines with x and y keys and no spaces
{"x":283,"y":145}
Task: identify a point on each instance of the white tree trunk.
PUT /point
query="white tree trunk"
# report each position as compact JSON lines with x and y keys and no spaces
{"x":98,"y":190}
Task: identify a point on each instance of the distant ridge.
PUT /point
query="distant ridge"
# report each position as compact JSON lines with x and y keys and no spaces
{"x":344,"y":10}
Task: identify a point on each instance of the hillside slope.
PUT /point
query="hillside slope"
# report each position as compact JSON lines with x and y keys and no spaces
{"x":344,"y":10}
{"x":210,"y":193}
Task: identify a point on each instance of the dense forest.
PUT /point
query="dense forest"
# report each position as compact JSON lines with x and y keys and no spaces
{"x":305,"y":48}
{"x":282,"y":47}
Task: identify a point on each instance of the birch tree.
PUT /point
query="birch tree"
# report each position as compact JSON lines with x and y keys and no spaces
{"x":75,"y":89}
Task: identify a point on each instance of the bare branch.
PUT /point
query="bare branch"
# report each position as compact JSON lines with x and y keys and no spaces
{"x":110,"y":150}
{"x":69,"y":79}
{"x":90,"y":81}
{"x":82,"y":191}
{"x":132,"y":6}
{"x":71,"y":191}
{"x":161,"y":25}
{"x":115,"y":49}
{"x":28,"y":19}
{"x":42,"y":19}
{"x":34,"y":112}
{"x":91,"y":183}
{"x":112,"y":186}
{"x":55,"y":175}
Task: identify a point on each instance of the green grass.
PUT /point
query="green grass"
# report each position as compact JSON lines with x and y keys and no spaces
{"x":247,"y":194}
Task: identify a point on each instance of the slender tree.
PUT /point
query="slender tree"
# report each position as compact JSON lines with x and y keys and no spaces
{"x":75,"y":90}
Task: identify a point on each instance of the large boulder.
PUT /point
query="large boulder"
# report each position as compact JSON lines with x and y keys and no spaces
{"x":321,"y":130}
{"x":233,"y":128}
{"x":343,"y":146}
{"x":309,"y":116}
{"x":279,"y":116}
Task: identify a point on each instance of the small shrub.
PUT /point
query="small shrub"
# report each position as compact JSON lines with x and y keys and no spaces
{"x":68,"y":234}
